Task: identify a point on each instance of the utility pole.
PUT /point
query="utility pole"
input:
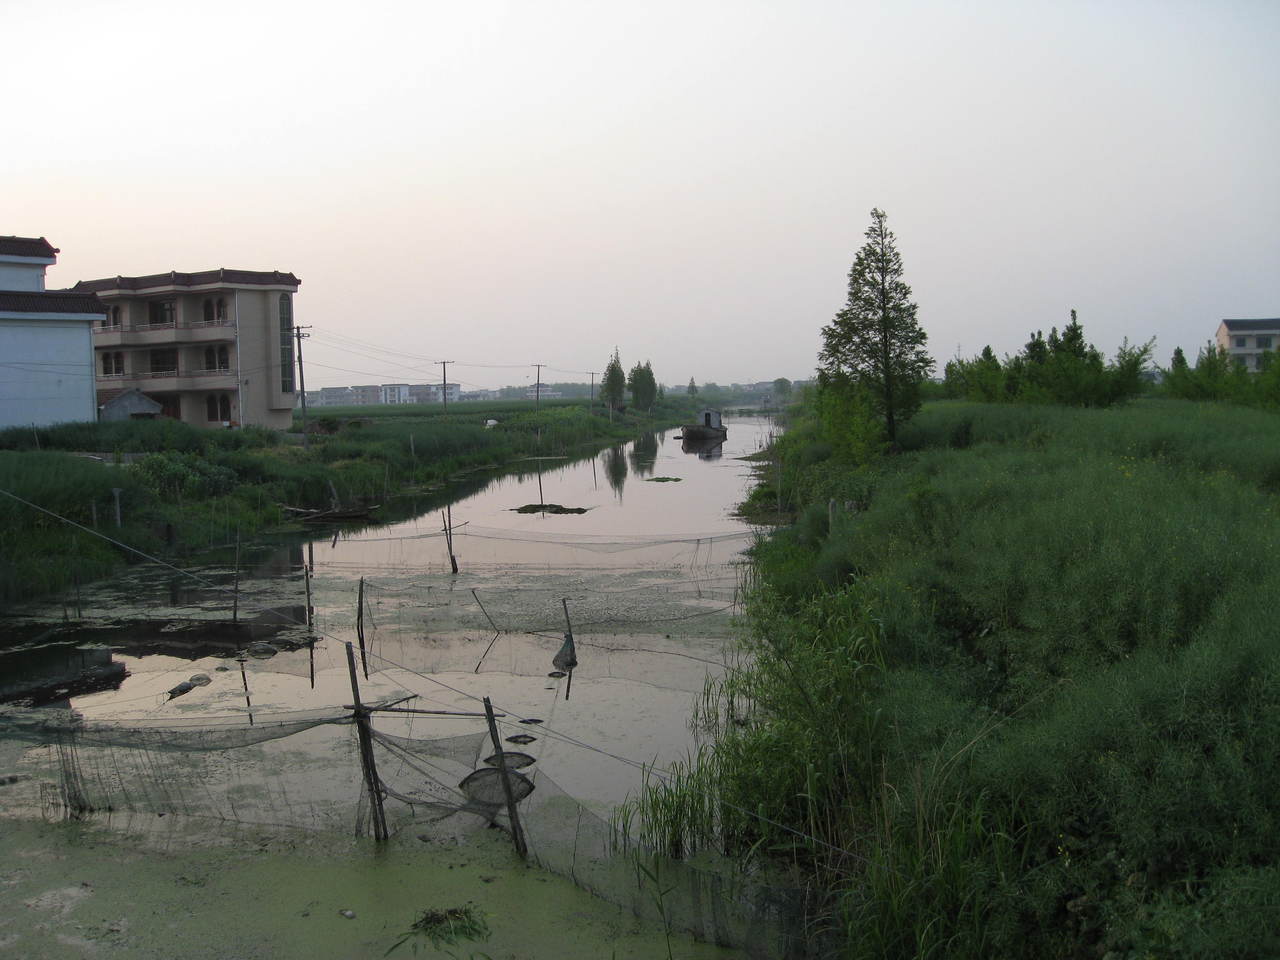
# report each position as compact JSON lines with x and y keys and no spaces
{"x":444,"y":383}
{"x":302,"y":385}
{"x":537,"y":390}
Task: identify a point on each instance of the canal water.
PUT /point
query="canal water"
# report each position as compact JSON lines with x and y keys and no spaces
{"x":635,"y":550}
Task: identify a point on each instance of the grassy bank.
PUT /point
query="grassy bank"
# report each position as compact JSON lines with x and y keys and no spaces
{"x":183,"y":488}
{"x":1017,"y":686}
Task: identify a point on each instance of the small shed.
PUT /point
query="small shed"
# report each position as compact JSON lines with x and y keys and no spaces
{"x":711,"y":418}
{"x":130,"y":404}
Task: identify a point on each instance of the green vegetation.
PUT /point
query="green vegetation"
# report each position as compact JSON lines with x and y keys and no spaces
{"x":195,"y":488}
{"x":613,"y":383}
{"x":1216,"y":376}
{"x":1061,"y":370}
{"x":1016,"y":688}
{"x":875,"y":346}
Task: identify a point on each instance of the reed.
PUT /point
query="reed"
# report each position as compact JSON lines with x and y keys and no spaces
{"x":1013,"y":694}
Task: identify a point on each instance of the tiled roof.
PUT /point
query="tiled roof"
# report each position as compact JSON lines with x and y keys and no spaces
{"x":27,"y":247}
{"x":1242,"y":325}
{"x":49,"y":301}
{"x":176,"y":279}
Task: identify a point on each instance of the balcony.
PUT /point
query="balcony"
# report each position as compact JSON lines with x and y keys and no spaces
{"x":170,"y":381}
{"x":164,"y":334}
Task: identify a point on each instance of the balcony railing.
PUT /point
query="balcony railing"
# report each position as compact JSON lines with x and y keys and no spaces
{"x":169,"y":325}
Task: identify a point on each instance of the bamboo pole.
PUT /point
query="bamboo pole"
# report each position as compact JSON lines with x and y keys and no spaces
{"x":517,"y":834}
{"x":306,"y":575}
{"x":364,"y":660}
{"x":380,"y":833}
{"x":235,"y":585}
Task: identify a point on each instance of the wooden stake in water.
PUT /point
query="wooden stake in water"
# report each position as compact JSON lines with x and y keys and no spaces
{"x":567,"y":658}
{"x":364,"y":660}
{"x":244,"y":678}
{"x":306,"y":576}
{"x":517,"y":834}
{"x":235,"y":583}
{"x":372,"y":783}
{"x":446,"y":517}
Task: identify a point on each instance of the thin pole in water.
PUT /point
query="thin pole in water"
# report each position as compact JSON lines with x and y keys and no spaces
{"x":235,"y":583}
{"x":517,"y":835}
{"x":244,"y":678}
{"x":364,"y":661}
{"x":367,"y":763}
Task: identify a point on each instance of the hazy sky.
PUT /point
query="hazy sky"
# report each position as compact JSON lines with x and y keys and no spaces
{"x":539,"y":181}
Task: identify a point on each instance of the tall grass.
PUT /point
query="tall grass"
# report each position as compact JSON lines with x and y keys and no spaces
{"x":1018,"y":691}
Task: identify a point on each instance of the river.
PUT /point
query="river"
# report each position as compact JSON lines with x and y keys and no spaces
{"x":645,"y":572}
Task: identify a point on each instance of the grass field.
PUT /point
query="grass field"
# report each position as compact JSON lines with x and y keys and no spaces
{"x":1018,"y":686}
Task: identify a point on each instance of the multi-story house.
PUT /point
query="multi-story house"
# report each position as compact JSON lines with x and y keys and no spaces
{"x":213,"y":348}
{"x":1245,"y":341}
{"x":366,"y":395}
{"x":395,"y":393}
{"x":46,"y":340}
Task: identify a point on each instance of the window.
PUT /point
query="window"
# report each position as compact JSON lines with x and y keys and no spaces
{"x":1264,"y":343}
{"x":222,"y":310}
{"x":210,"y":360}
{"x":106,"y":365}
{"x":113,"y":364}
{"x":1242,"y":342}
{"x":161,"y":313}
{"x":286,"y":344}
{"x":164,"y":361}
{"x":208,"y":311}
{"x":224,"y":359}
{"x":217,"y":406}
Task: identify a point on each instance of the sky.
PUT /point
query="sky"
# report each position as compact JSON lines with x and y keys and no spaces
{"x":507,"y":183}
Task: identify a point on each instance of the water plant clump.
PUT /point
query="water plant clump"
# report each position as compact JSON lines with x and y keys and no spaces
{"x":446,"y":926}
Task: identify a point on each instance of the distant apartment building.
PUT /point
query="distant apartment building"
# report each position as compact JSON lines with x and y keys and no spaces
{"x":366,"y":395}
{"x":213,"y":348}
{"x":432,"y":392}
{"x":533,"y":393}
{"x":46,"y":340}
{"x":333,"y":397}
{"x":395,"y":393}
{"x":1245,"y":341}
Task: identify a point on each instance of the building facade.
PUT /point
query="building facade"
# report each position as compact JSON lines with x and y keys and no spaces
{"x":1245,"y":341}
{"x":214,"y":348}
{"x":46,"y":340}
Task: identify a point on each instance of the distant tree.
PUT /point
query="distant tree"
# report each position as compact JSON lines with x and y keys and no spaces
{"x":613,"y":384}
{"x":693,"y":388}
{"x":782,"y":389}
{"x":643,"y":386}
{"x":1179,"y":359}
{"x":876,"y":339}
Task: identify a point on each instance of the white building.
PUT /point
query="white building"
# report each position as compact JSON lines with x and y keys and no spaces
{"x":46,"y":340}
{"x":1247,"y":340}
{"x":395,"y":393}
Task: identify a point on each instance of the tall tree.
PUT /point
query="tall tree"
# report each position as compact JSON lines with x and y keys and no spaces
{"x":613,"y":384}
{"x":693,"y":388}
{"x":876,"y":339}
{"x":643,"y":385}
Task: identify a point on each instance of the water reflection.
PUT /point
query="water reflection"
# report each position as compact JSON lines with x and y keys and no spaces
{"x":705,"y":449}
{"x":615,"y":469}
{"x":644,"y":454}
